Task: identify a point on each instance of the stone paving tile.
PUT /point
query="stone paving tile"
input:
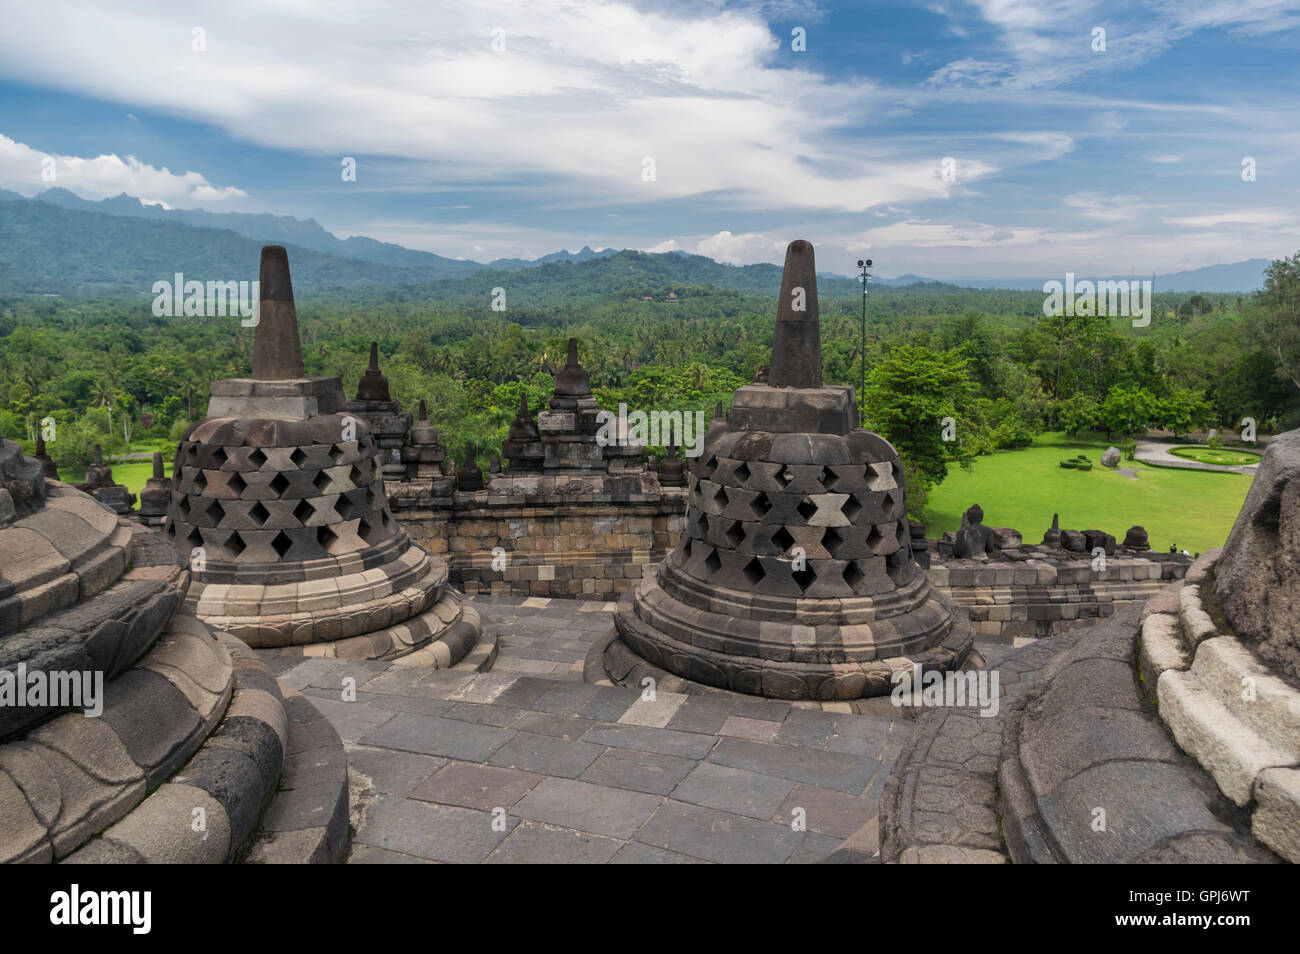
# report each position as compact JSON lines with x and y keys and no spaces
{"x":701,"y":714}
{"x":564,"y":697}
{"x":438,"y":832}
{"x":524,"y":691}
{"x":392,"y":703}
{"x":755,"y":729}
{"x":549,"y":723}
{"x":533,"y":844}
{"x":718,"y":836}
{"x":634,"y":853}
{"x":485,"y":687}
{"x":370,"y":855}
{"x":864,"y":736}
{"x":648,"y":739}
{"x":515,"y":664}
{"x":657,"y":712}
{"x":597,"y":809}
{"x":814,"y":849}
{"x":352,"y":720}
{"x":829,"y":769}
{"x":609,"y":703}
{"x":391,"y":772}
{"x":734,"y":790}
{"x":639,"y":771}
{"x":484,"y":787}
{"x":499,"y":716}
{"x":826,"y":810}
{"x":546,"y":754}
{"x":809,"y":728}
{"x":433,"y":735}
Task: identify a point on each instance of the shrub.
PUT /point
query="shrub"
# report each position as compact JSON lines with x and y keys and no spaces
{"x":1069,"y":464}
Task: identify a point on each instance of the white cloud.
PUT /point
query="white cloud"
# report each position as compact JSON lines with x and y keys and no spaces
{"x":22,"y":170}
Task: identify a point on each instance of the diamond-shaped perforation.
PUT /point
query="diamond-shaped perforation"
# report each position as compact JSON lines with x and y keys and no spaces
{"x":200,"y":481}
{"x":786,"y":476}
{"x":889,"y":504}
{"x":761,"y":505}
{"x":851,"y":508}
{"x":344,"y":507}
{"x":304,"y":511}
{"x":782,"y":539}
{"x":219,"y":457}
{"x":282,"y":544}
{"x":327,"y":538}
{"x":710,"y":464}
{"x":298,"y":457}
{"x":257,"y":458}
{"x":183,"y":508}
{"x":742,"y":472}
{"x":216,"y":512}
{"x":195,"y":539}
{"x":896,"y":565}
{"x":699,"y":523}
{"x":354,"y":475}
{"x":322,"y":481}
{"x":832,"y":540}
{"x":280,"y":483}
{"x":804,"y":577}
{"x":754,"y":572}
{"x":713,"y":562}
{"x":853,"y":575}
{"x":236,"y":544}
{"x":735,"y":533}
{"x":191,"y":453}
{"x":874,"y":536}
{"x":806,"y":508}
{"x":828,"y":478}
{"x":237,"y":484}
{"x":259,"y":513}
{"x":337,"y":453}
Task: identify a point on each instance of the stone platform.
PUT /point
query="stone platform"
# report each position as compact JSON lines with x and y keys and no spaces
{"x":588,"y":773}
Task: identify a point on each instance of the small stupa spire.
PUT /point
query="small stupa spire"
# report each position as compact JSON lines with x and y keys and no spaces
{"x":796,"y":342}
{"x":277,"y":348}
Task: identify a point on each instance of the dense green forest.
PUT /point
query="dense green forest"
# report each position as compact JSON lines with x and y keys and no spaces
{"x":989,"y":360}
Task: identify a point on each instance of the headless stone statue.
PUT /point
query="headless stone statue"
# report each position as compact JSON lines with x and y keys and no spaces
{"x":973,"y":539}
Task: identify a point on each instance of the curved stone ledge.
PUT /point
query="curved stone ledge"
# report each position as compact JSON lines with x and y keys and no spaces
{"x":75,"y":775}
{"x":820,"y":662}
{"x":269,"y":759}
{"x":440,"y":637}
{"x":1226,"y":709}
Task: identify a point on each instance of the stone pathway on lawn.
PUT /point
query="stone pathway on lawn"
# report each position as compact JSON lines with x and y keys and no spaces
{"x":1149,"y":452}
{"x":574,"y":772}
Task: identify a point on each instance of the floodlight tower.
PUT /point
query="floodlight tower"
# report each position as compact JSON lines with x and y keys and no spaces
{"x":865,"y":278}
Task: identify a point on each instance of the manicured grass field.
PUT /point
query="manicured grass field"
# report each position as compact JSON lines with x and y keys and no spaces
{"x":132,"y":475}
{"x":1023,"y":488}
{"x":1208,"y":455}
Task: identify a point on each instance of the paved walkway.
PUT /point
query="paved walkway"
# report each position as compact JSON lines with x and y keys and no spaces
{"x":1158,"y":454}
{"x":528,"y":764}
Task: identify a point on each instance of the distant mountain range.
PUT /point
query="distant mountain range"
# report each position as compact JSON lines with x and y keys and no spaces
{"x":60,"y":243}
{"x":1247,"y":276}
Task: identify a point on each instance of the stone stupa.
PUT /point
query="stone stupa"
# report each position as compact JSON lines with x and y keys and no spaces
{"x":794,"y":577}
{"x":279,"y":498}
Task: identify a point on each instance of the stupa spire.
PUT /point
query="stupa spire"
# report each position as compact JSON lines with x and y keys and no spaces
{"x":796,"y":342}
{"x":277,"y":349}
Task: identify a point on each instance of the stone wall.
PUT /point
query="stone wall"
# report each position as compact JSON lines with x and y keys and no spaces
{"x":1040,"y":591}
{"x":590,"y":545}
{"x":596,"y":546}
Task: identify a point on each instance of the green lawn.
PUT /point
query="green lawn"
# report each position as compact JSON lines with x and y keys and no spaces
{"x":1023,"y":488}
{"x":1208,"y":455}
{"x":133,"y":475}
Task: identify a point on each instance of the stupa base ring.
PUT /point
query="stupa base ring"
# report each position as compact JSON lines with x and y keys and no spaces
{"x":835,"y":677}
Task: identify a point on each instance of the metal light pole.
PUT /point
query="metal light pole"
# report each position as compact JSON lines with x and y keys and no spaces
{"x":865,"y":278}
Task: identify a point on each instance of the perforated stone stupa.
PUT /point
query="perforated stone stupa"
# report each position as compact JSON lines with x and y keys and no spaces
{"x":279,"y":496}
{"x":794,"y":577}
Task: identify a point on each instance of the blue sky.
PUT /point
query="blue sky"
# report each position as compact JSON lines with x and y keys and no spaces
{"x":1064,"y":157}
